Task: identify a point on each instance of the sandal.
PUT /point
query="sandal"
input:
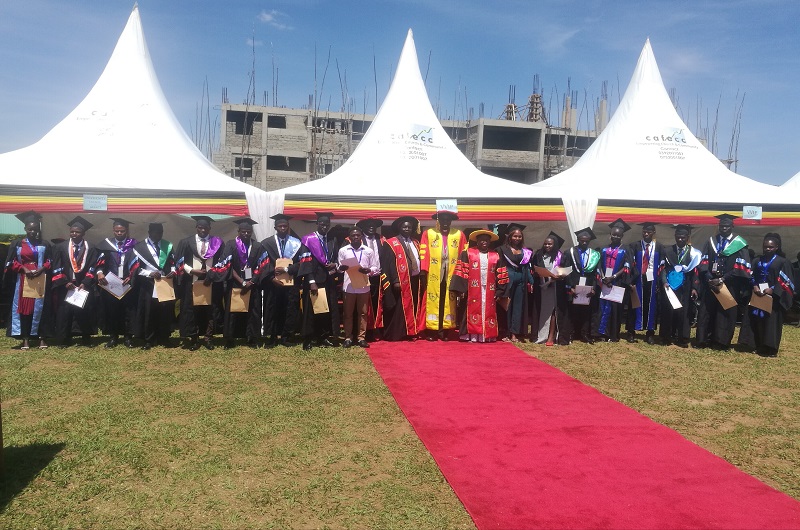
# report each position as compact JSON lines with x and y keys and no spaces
{"x":549,"y":343}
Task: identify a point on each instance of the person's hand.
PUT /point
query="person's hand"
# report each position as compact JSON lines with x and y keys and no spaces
{"x":199,"y":273}
{"x":396,"y":286}
{"x":171,"y":274}
{"x":276,"y":282}
{"x":80,"y":287}
{"x":126,"y":281}
{"x":246,"y":286}
{"x":70,"y":286}
{"x":423,"y":275}
{"x":607,"y":280}
{"x":694,"y":294}
{"x":207,"y":281}
{"x":313,"y":288}
{"x":156,"y":275}
{"x":571,"y":293}
{"x":768,"y":290}
{"x":363,"y":270}
{"x":330,"y":266}
{"x":281,"y":270}
{"x":34,"y":273}
{"x":101,"y":279}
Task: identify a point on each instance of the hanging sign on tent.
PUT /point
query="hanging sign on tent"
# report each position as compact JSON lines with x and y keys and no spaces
{"x":447,"y":205}
{"x":95,"y":202}
{"x":751,"y":212}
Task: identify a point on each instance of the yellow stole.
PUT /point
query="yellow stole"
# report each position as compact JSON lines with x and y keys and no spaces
{"x":456,"y":242}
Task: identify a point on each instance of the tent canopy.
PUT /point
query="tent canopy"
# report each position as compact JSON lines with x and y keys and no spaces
{"x":124,"y":144}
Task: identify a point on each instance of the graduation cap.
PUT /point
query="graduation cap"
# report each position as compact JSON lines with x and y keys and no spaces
{"x":619,"y":223}
{"x":586,"y":232}
{"x":321,"y":216}
{"x":244,"y":222}
{"x":81,"y":223}
{"x":158,"y":227}
{"x":681,"y":228}
{"x":444,"y":214}
{"x":119,"y":221}
{"x":203,"y":220}
{"x":648,"y":225}
{"x":29,"y":217}
{"x":726,"y":218}
{"x":515,"y":226}
{"x":406,"y":218}
{"x":559,"y":241}
{"x":280,"y":217}
{"x":369,"y":221}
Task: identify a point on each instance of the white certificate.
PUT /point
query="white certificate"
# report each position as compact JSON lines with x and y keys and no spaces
{"x":649,"y":275}
{"x":582,"y":294}
{"x":673,"y":298}
{"x":77,"y":297}
{"x":614,"y":293}
{"x":115,"y":285}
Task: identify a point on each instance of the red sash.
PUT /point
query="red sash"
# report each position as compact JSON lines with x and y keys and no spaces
{"x":475,"y":324}
{"x":415,"y":319}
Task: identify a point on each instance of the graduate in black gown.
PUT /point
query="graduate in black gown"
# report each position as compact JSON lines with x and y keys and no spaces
{"x":154,"y":262}
{"x":517,"y":259}
{"x":550,"y":295}
{"x":114,"y":256}
{"x":584,"y":262}
{"x":194,"y":256}
{"x":772,"y":276}
{"x":725,"y":261}
{"x":243,"y":265}
{"x":316,"y":272}
{"x":404,"y":301}
{"x":282,"y":302}
{"x":73,"y":269}
{"x":645,"y":256}
{"x":614,"y":272}
{"x":678,"y":272}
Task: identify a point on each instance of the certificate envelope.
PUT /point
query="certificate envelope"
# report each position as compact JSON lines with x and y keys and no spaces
{"x":763,"y":303}
{"x":164,"y":289}
{"x":635,"y":302}
{"x":77,"y":297}
{"x":614,"y":293}
{"x":34,"y":287}
{"x":725,"y":298}
{"x":582,"y":293}
{"x":201,"y":293}
{"x":284,"y":277}
{"x":240,"y":303}
{"x":319,"y":301}
{"x":115,"y":286}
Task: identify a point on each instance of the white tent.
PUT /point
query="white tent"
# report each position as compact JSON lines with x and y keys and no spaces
{"x":405,"y":162}
{"x":123,"y":145}
{"x":793,"y":184}
{"x":647,"y":165}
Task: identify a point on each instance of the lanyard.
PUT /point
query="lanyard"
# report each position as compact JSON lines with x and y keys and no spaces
{"x":324,"y":243}
{"x":764,"y":267}
{"x":34,"y":249}
{"x":682,"y":253}
{"x":358,"y":257}
{"x":721,"y":245}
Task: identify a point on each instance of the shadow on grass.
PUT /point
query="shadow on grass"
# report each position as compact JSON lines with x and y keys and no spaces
{"x":21,"y":465}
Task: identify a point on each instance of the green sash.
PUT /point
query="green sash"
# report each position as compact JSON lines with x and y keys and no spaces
{"x":591,"y":263}
{"x":736,"y":244}
{"x":164,"y":248}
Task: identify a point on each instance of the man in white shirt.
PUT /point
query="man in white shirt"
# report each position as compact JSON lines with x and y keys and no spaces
{"x":374,"y":241}
{"x":358,"y":261}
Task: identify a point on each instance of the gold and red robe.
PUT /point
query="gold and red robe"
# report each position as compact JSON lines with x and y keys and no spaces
{"x":430,"y":257}
{"x":479,"y":319}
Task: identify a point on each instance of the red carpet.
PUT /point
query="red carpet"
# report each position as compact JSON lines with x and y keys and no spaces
{"x":526,"y":446}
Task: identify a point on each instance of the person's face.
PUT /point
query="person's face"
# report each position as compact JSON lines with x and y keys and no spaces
{"x":548,"y":245}
{"x":482,"y":242}
{"x":444,"y":225}
{"x":120,"y":232}
{"x":323,"y":225}
{"x":282,"y":228}
{"x":155,"y":234}
{"x":76,"y":234}
{"x":406,"y":228}
{"x":32,"y":230}
{"x":583,"y":242}
{"x":681,"y":238}
{"x":370,"y":229}
{"x":648,"y":234}
{"x":202,"y":230}
{"x":770,"y":247}
{"x":725,"y":228}
{"x":355,"y":237}
{"x":616,"y":236}
{"x":515,"y":239}
{"x":245,"y":233}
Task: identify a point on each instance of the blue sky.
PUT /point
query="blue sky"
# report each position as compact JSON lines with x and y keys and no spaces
{"x":714,"y":53}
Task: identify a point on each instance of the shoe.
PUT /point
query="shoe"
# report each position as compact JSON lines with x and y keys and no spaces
{"x":430,"y":338}
{"x":252,"y":344}
{"x":86,"y":342}
{"x":147,"y":346}
{"x":549,"y":343}
{"x":112,"y":343}
{"x":347,"y":343}
{"x":208,"y":345}
{"x":631,"y":337}
{"x":229,"y":344}
{"x":285,"y":341}
{"x":682,"y":344}
{"x":194,"y":346}
{"x":363,"y":343}
{"x":306,"y":345}
{"x":129,"y":343}
{"x":270,"y":342}
{"x":651,"y":339}
{"x":166,"y":344}
{"x":588,"y":341}
{"x":443,"y":336}
{"x":327,"y":343}
{"x":701,"y":345}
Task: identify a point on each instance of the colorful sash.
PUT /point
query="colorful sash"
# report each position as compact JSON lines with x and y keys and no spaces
{"x":414,"y":316}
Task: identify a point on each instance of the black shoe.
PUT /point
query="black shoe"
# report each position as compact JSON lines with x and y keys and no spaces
{"x":443,"y":336}
{"x":272,"y":341}
{"x":306,"y":345}
{"x":347,"y":343}
{"x":430,"y":338}
{"x":327,"y":343}
{"x":229,"y":344}
{"x":129,"y":343}
{"x":701,"y":345}
{"x":208,"y":344}
{"x":147,"y":346}
{"x":285,"y":341}
{"x":166,"y":344}
{"x":631,"y":337}
{"x":252,"y":344}
{"x":651,"y":339}
{"x":363,"y":343}
{"x":682,"y":344}
{"x":589,"y":340}
{"x":86,"y":342}
{"x":194,"y":346}
{"x":112,"y":343}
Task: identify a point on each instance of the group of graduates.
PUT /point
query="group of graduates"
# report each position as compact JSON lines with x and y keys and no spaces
{"x":403,"y":284}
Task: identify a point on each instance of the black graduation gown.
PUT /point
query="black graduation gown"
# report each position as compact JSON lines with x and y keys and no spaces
{"x":326,"y":324}
{"x":282,"y":303}
{"x":42,"y":322}
{"x":117,"y":316}
{"x":71,"y":319}
{"x":396,"y":302}
{"x":714,"y":323}
{"x":676,"y":324}
{"x":517,"y":318}
{"x":246,"y":324}
{"x":768,"y":327}
{"x":609,"y":314}
{"x":197,"y":320}
{"x":645,"y":317}
{"x":154,"y":319}
{"x":578,"y":318}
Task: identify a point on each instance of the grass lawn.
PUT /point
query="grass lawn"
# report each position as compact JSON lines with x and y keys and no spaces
{"x":284,"y":438}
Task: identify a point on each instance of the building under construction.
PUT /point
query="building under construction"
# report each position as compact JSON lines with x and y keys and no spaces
{"x":275,"y":147}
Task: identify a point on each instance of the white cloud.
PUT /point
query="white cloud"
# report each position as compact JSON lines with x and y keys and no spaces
{"x":254,"y":43}
{"x":275,"y":18}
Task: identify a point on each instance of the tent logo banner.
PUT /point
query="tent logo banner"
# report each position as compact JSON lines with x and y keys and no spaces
{"x":671,"y":143}
{"x":416,"y":142}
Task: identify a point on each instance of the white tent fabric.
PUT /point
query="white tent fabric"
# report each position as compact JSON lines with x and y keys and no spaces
{"x":646,"y":142}
{"x":406,"y":151}
{"x":793,"y":184}
{"x":122,"y":135}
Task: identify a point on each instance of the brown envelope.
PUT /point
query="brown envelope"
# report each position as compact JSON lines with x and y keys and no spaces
{"x":201,"y":293}
{"x":725,"y":298}
{"x":358,"y":280}
{"x":635,"y":302}
{"x":34,"y":287}
{"x":164,"y":289}
{"x":284,"y":277}
{"x":240,"y":303}
{"x":320,"y":302}
{"x":763,"y":303}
